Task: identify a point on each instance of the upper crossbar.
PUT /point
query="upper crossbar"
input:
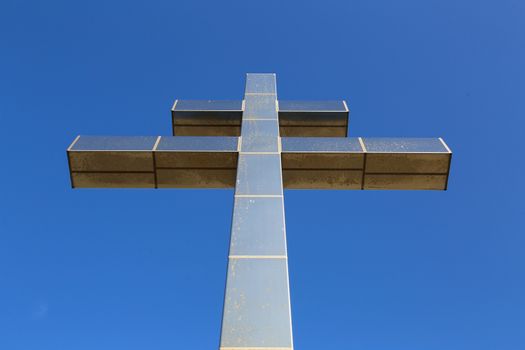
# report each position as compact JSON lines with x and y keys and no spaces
{"x":296,"y":118}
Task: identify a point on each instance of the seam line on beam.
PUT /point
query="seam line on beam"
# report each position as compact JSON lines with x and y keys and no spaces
{"x":448,"y":171}
{"x":255,"y":116}
{"x":258,"y":195}
{"x":364,"y":162}
{"x":346,"y":106}
{"x":154,"y":157}
{"x":322,"y":169}
{"x":254,"y":348}
{"x":249,"y":153}
{"x":257,"y":257}
{"x":156,"y":144}
{"x":445,"y":145}
{"x":73,"y":143}
{"x":194,"y":168}
{"x":361,"y":142}
{"x":113,"y":172}
{"x":405,"y":174}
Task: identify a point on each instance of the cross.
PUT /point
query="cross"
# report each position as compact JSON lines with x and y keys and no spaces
{"x":259,"y":146}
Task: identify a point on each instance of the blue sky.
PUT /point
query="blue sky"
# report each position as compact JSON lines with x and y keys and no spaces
{"x":137,"y":269}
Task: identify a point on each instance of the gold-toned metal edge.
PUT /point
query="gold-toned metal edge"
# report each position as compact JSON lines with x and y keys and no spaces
{"x":254,"y":348}
{"x":258,"y":195}
{"x":346,"y":106}
{"x":257,"y":257}
{"x":69,"y":160}
{"x":73,"y":143}
{"x":363,"y":147}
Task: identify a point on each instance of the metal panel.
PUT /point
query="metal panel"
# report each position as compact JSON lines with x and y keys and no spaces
{"x":207,"y":105}
{"x":397,"y":155}
{"x":312,"y":106}
{"x":206,"y":118}
{"x":259,"y":174}
{"x":260,"y":107}
{"x":313,"y":131}
{"x":414,"y":163}
{"x":112,"y":162}
{"x":322,"y":163}
{"x":196,"y":178}
{"x":323,"y":160}
{"x":328,"y":179}
{"x":114,"y":143}
{"x":178,"y":160}
{"x":196,"y":162}
{"x":313,"y":118}
{"x":207,"y":130}
{"x":260,"y":136}
{"x":406,"y":163}
{"x":256,"y":307}
{"x":197,"y":152}
{"x":404,"y":145}
{"x":405,"y":182}
{"x":235,"y":130}
{"x":112,"y":180}
{"x":321,"y":144}
{"x":223,"y":118}
{"x":260,"y":83}
{"x":258,"y":227}
{"x":112,"y":153}
{"x":196,"y":144}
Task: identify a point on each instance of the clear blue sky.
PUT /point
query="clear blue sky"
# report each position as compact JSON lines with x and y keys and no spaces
{"x":145,"y":269}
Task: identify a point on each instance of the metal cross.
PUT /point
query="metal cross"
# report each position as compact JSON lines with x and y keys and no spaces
{"x":207,"y":152}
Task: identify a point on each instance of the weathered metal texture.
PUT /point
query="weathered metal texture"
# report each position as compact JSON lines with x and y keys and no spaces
{"x":365,"y":163}
{"x":153,"y":162}
{"x":206,"y":118}
{"x":257,"y":302}
{"x":322,"y":163}
{"x":296,"y":118}
{"x":406,"y":164}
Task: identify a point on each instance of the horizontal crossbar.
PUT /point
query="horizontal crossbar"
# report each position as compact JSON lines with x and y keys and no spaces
{"x":296,"y":118}
{"x":211,"y":162}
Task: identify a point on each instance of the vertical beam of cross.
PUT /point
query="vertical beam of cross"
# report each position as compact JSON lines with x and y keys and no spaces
{"x":257,"y":299}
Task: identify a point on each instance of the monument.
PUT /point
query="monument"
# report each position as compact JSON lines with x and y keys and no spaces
{"x":259,"y":146}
